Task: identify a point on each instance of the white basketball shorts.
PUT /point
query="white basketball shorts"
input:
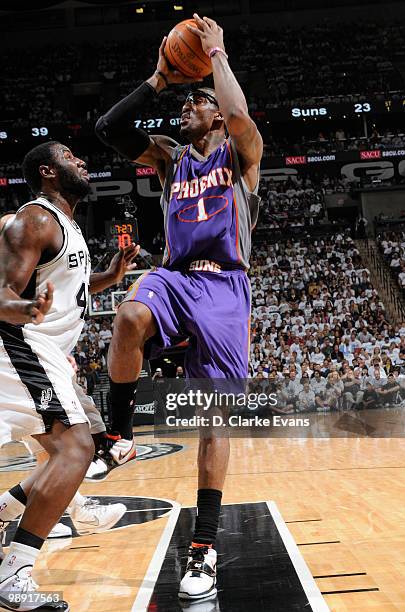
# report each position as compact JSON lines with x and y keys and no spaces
{"x":36,"y":385}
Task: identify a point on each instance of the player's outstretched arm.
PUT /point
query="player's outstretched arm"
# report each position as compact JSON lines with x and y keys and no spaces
{"x":231,"y":99}
{"x":122,"y":262}
{"x":21,"y":245}
{"x":116,"y":128}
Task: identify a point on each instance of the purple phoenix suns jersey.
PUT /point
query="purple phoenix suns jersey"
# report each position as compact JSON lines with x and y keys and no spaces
{"x":208,"y":210}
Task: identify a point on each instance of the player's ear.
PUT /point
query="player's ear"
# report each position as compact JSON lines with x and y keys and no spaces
{"x":47,"y":171}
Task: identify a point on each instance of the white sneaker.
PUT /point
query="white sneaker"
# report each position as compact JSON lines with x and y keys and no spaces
{"x":60,"y":531}
{"x":95,"y":518}
{"x":22,"y":586}
{"x":201,"y":574}
{"x":112,"y":452}
{"x":97,"y":470}
{"x":123,"y":451}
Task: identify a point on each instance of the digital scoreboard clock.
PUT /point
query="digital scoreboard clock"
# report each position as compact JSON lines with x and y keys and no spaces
{"x":121,"y":233}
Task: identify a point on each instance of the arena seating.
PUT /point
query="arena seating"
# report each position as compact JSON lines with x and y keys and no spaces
{"x":295,"y":203}
{"x":328,"y":142}
{"x":314,"y":308}
{"x":322,"y":62}
{"x":319,"y":334}
{"x":392,"y":247}
{"x":328,"y":64}
{"x":316,"y":318}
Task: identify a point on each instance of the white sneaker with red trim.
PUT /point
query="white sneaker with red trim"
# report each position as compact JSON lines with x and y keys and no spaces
{"x":200,"y":578}
{"x":123,"y":451}
{"x":113,"y":452}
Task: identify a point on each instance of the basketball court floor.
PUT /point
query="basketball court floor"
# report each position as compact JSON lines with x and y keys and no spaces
{"x":307,"y":524}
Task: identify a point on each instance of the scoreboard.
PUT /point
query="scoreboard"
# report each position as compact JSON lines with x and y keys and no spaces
{"x":65,"y":132}
{"x":121,"y":233}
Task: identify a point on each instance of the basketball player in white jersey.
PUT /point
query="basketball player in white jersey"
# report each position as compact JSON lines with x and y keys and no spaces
{"x":87,"y":515}
{"x":40,"y":248}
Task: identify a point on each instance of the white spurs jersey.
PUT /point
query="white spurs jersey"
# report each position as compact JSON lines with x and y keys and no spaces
{"x":69,"y":271}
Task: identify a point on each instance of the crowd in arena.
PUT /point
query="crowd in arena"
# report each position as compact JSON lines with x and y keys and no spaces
{"x":392,"y":247}
{"x":319,"y":329}
{"x":325,"y":61}
{"x":34,"y":84}
{"x":320,"y":337}
{"x":91,"y":350}
{"x":334,"y":142}
{"x":293,"y":204}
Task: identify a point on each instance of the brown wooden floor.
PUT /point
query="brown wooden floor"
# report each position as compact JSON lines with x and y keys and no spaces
{"x":354,"y":486}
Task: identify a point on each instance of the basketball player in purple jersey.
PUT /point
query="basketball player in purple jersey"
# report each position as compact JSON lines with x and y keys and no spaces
{"x":210,"y":205}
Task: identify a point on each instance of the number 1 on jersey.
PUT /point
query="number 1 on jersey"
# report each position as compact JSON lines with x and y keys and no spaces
{"x":202,"y":215}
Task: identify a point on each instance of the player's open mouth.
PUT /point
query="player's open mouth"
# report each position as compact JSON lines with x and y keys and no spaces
{"x":184,"y":117}
{"x":85,"y":175}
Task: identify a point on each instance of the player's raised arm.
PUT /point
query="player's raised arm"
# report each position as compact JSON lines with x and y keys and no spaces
{"x":116,"y":128}
{"x":21,"y":246}
{"x":122,"y":262}
{"x":231,"y":99}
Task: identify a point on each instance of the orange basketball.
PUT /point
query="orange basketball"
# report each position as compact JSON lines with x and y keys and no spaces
{"x":184,"y":51}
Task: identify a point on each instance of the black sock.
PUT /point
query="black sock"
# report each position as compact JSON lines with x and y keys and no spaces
{"x":122,"y":407}
{"x":208,"y":511}
{"x":18,"y":493}
{"x":29,"y":539}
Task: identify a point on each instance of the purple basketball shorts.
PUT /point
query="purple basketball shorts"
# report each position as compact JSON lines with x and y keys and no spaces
{"x":211,"y":308}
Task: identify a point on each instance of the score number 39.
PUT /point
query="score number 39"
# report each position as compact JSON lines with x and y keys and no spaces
{"x":39,"y":131}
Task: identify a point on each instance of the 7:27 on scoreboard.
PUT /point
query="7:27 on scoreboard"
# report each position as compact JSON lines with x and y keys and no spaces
{"x":121,"y":233}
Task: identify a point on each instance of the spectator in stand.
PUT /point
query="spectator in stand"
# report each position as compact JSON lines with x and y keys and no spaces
{"x":306,"y":397}
{"x":370,"y":397}
{"x":105,"y":335}
{"x":353,"y":393}
{"x":361,"y":226}
{"x":91,"y":378}
{"x":158,"y":374}
{"x":388,"y":393}
{"x":340,"y":138}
